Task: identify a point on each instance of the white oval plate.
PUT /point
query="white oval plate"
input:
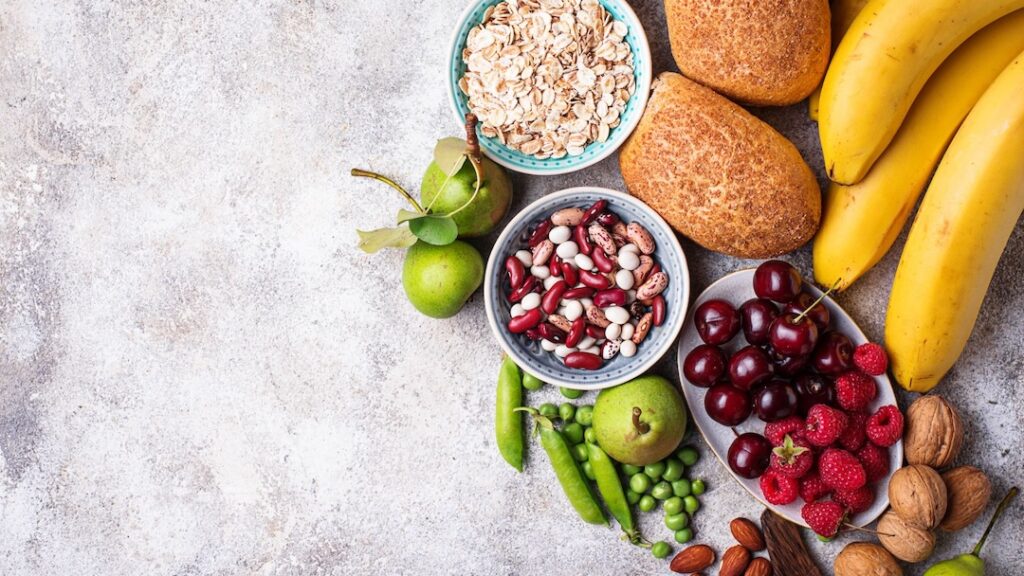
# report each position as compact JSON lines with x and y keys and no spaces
{"x":736,"y":288}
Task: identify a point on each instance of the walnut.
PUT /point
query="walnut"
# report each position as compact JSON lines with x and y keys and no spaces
{"x":969,"y":491}
{"x":934,"y":433}
{"x":918,"y":494}
{"x":866,"y":559}
{"x":906,"y":542}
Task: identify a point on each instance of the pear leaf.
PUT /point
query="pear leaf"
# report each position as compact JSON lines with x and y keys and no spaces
{"x":374,"y":240}
{"x":407,"y":215}
{"x":439,"y":230}
{"x":450,"y":155}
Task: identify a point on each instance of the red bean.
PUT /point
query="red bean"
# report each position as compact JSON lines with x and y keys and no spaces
{"x":658,"y":308}
{"x":595,"y":332}
{"x":582,"y":240}
{"x":516,"y":272}
{"x":577,"y":293}
{"x":570,"y":274}
{"x":579,"y":328}
{"x":533,"y":334}
{"x":607,"y":219}
{"x":525,"y":288}
{"x":595,"y":281}
{"x":592,"y":212}
{"x":583,"y":360}
{"x":540,"y":233}
{"x":521,"y":324}
{"x":549,"y":301}
{"x":549,"y":331}
{"x":603,"y":261}
{"x":555,"y":265}
{"x":612,"y":297}
{"x":654,"y":270}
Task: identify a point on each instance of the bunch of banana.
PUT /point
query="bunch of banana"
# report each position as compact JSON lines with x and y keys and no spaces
{"x":843,"y":13}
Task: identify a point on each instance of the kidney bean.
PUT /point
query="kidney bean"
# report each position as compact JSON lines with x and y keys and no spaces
{"x":595,"y":332}
{"x":596,"y":317}
{"x":560,"y":322}
{"x":620,"y":233}
{"x":576,"y":333}
{"x":551,"y":332}
{"x":595,"y":281}
{"x":653,"y":286}
{"x":525,"y":288}
{"x":583,"y":361}
{"x":555,"y":265}
{"x":582,"y":240}
{"x":611,"y":297}
{"x":600,"y":236}
{"x":637,"y":309}
{"x":592,"y":212}
{"x":567,"y":217}
{"x":607,"y":219}
{"x":658,"y":309}
{"x":521,"y":324}
{"x":639,"y":236}
{"x":655,"y":270}
{"x":516,"y":272}
{"x":642,"y":327}
{"x":549,"y":301}
{"x":540,"y":233}
{"x":570,"y":274}
{"x":533,"y":334}
{"x":579,"y":292}
{"x":604,"y":262}
{"x":543,"y":251}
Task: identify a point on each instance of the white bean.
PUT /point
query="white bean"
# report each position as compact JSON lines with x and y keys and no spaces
{"x":613,"y":331}
{"x":567,"y":250}
{"x":624,"y":279}
{"x":627,"y":348}
{"x":562,"y":351}
{"x":587,"y":342}
{"x":629,"y":248}
{"x":559,"y":234}
{"x":542,"y":272}
{"x":627,"y":331}
{"x":548,"y":345}
{"x":592,"y":350}
{"x":628,"y":260}
{"x":586,"y":302}
{"x":630,"y":296}
{"x":617,"y":314}
{"x":584,"y":262}
{"x":573,"y":310}
{"x":526,"y":257}
{"x":531,"y":301}
{"x":551,"y":281}
{"x":517,"y":310}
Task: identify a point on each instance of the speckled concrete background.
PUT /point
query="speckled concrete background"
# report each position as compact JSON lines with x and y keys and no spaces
{"x":201,"y":375}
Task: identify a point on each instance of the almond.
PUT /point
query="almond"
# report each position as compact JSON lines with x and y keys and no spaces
{"x":748,"y":534}
{"x":759,"y":567}
{"x":693,"y":559}
{"x":734,"y":561}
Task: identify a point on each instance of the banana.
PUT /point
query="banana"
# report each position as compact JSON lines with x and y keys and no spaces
{"x":965,"y":220}
{"x":843,"y":13}
{"x":891,"y":49}
{"x":861,"y":222}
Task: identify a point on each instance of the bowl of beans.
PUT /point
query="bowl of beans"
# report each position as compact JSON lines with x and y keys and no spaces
{"x":586,"y":288}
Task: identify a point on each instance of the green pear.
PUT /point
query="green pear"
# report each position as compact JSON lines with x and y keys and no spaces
{"x":439,"y":279}
{"x":639,"y":422}
{"x":971,"y":564}
{"x":484,"y":212}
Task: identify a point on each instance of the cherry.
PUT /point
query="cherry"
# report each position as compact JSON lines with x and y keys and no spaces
{"x":833,"y":354}
{"x":788,"y":365}
{"x":775,"y":401}
{"x":757,"y":315}
{"x":727,"y":404}
{"x":748,"y":366}
{"x":750,"y":454}
{"x":791,"y":335}
{"x":777,"y":280}
{"x":814,"y":389}
{"x":716,"y":321}
{"x":704,"y":365}
{"x":818,"y":312}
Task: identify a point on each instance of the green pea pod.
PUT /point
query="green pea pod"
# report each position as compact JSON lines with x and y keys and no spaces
{"x":508,"y":424}
{"x":610,"y":487}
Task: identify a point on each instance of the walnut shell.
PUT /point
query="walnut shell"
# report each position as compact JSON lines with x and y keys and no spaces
{"x":906,"y":542}
{"x":969,"y":491}
{"x":918,"y":494}
{"x":866,"y":559}
{"x":934,"y":433}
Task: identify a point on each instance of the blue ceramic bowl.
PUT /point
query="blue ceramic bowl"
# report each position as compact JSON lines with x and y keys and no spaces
{"x":545,"y":365}
{"x":595,"y":151}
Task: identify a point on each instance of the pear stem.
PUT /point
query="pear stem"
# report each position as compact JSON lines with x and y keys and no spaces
{"x":472,"y":144}
{"x":995,"y":516}
{"x":800,"y":317}
{"x":641,"y":427}
{"x":389,"y":182}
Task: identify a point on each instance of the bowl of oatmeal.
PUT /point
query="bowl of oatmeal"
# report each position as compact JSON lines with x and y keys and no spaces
{"x":557,"y":85}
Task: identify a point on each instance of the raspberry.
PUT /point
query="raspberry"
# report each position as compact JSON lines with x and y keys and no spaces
{"x":812,"y":488}
{"x":824,"y":518}
{"x":854,"y":435}
{"x":824,"y":425}
{"x":875,"y":461}
{"x":778,"y":489}
{"x":885,"y":427}
{"x":776,"y":431}
{"x":856,"y":501}
{"x":841,"y":470}
{"x":871,"y":358}
{"x":855,"y":390}
{"x":792,"y":458}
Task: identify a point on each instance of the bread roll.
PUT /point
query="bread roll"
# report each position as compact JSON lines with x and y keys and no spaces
{"x":762,"y":52}
{"x":719,"y":175}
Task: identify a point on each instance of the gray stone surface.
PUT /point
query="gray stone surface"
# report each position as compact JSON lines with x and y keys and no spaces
{"x":200,"y":374}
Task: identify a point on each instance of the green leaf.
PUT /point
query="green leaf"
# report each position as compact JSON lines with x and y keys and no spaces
{"x":436,"y":230}
{"x":407,"y":215}
{"x":450,"y":155}
{"x":373,"y":240}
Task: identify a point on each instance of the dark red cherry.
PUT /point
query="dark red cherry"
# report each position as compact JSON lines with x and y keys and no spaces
{"x":757,"y":315}
{"x":777,"y":280}
{"x":704,"y":365}
{"x":788,"y":365}
{"x":819,"y":313}
{"x":834,"y":354}
{"x":775,"y":401}
{"x":790,"y":335}
{"x":748,"y":366}
{"x":727,"y":404}
{"x":813,"y":389}
{"x":750,"y":454}
{"x":716,"y":321}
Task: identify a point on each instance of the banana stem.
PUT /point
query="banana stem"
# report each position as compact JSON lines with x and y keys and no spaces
{"x":995,"y":516}
{"x":389,"y":182}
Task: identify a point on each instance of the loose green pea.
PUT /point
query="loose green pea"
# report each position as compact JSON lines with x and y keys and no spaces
{"x":673,"y":505}
{"x":531,"y":382}
{"x":633,"y":497}
{"x":590,"y":436}
{"x":585,"y":415}
{"x":566,"y":411}
{"x":691,"y":504}
{"x":681,"y":488}
{"x":570,"y":393}
{"x":588,"y":470}
{"x":698,"y":487}
{"x":548,"y":410}
{"x":673,"y":470}
{"x":661,"y":549}
{"x":579,"y":452}
{"x":573,"y":433}
{"x":662,"y":490}
{"x":689,"y":455}
{"x":655,"y":470}
{"x":683,"y":536}
{"x":647,"y":503}
{"x":676,"y":521}
{"x":639,"y":483}
{"x":629,"y":469}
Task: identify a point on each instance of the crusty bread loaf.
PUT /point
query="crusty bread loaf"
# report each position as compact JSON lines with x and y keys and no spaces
{"x":762,"y":52}
{"x":718,"y":174}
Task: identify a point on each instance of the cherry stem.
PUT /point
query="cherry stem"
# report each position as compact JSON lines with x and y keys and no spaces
{"x":866,"y":530}
{"x":801,"y":316}
{"x":995,"y":516}
{"x":641,"y":427}
{"x":389,"y":182}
